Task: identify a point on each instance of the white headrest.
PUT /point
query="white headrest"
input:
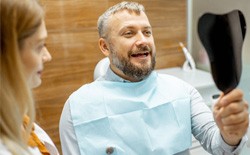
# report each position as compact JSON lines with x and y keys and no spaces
{"x":101,"y":67}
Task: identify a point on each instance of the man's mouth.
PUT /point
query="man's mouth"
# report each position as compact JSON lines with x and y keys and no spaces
{"x":144,"y":54}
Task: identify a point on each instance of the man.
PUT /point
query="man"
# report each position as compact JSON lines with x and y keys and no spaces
{"x":132,"y":110}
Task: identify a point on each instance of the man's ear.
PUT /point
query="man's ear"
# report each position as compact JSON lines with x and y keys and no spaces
{"x":104,"y":46}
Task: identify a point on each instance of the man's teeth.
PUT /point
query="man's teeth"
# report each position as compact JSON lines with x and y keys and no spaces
{"x":139,"y":54}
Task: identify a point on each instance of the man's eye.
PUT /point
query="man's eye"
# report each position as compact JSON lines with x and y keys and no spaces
{"x":128,"y":34}
{"x":148,"y":33}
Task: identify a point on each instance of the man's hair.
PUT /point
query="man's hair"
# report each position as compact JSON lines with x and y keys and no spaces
{"x":103,"y":19}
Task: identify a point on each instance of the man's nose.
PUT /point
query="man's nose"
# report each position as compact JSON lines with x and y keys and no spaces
{"x":141,"y":39}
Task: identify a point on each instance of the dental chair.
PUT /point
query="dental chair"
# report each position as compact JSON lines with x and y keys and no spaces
{"x":101,"y":67}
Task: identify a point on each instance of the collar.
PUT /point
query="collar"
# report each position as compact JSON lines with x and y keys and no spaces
{"x":111,"y":76}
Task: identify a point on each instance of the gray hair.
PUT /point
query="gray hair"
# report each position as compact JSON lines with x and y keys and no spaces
{"x":129,"y":6}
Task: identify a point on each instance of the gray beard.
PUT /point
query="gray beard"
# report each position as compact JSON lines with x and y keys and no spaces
{"x":130,"y":70}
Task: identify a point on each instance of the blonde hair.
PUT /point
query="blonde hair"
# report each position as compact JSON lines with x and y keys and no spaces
{"x":102,"y":22}
{"x":19,"y":20}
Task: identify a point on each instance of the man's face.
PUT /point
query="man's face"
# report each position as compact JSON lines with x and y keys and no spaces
{"x":131,"y":45}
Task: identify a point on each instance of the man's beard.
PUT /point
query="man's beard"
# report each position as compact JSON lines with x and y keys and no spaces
{"x":131,"y":70}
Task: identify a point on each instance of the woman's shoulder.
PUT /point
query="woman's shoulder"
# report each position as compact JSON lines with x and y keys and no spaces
{"x":3,"y":149}
{"x":44,"y":137}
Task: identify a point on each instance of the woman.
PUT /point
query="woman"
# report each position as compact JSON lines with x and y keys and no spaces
{"x":23,"y":53}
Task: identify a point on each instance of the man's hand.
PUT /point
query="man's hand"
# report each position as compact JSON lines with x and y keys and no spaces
{"x":232,"y":117}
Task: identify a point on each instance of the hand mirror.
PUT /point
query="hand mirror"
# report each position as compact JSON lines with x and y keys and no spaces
{"x":222,"y":37}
